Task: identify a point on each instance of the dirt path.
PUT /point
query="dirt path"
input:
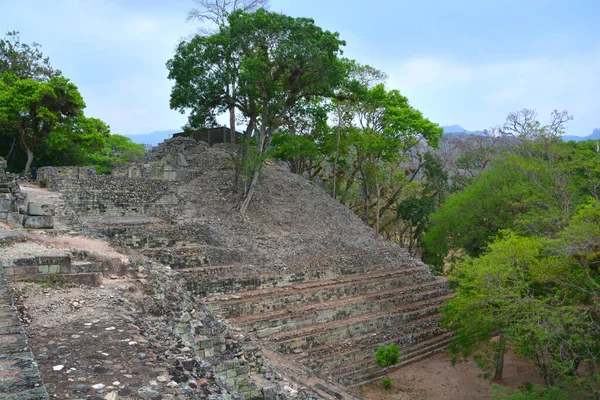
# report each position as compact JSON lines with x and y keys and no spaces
{"x":436,"y":379}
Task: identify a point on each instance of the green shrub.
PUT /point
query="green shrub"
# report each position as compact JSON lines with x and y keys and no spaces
{"x":387,"y":383}
{"x":387,"y":355}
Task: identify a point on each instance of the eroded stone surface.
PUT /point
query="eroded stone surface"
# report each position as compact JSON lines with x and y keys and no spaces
{"x":19,"y":373}
{"x":286,"y":302}
{"x":38,"y":221}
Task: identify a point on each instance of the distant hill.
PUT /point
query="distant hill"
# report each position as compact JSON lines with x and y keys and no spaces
{"x":157,"y":137}
{"x":459,"y":131}
{"x":154,"y":138}
{"x":448,"y":129}
{"x":595,"y":135}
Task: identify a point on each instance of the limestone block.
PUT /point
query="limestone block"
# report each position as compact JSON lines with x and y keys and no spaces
{"x":14,"y":218}
{"x":6,"y":205}
{"x":39,"y":209}
{"x":38,"y":221}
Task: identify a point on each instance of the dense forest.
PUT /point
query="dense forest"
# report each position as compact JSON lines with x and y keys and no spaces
{"x":512,"y":216}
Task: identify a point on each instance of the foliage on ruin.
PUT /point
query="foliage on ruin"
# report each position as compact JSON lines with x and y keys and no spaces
{"x":386,"y":356}
{"x":386,"y":383}
{"x":263,"y":64}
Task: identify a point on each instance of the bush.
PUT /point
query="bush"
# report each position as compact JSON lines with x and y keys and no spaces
{"x":387,"y":355}
{"x":387,"y":383}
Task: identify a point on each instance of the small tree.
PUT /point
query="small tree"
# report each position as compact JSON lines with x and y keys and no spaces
{"x":387,"y":383}
{"x":386,"y":356}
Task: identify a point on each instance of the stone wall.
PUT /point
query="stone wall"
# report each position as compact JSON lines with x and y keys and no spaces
{"x":120,"y":196}
{"x":175,"y":161}
{"x":54,"y":178}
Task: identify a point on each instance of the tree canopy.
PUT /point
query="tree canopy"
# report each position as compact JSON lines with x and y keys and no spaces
{"x":520,"y":243}
{"x":42,"y":114}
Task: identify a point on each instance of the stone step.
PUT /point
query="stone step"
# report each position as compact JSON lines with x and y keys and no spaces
{"x":267,"y":300}
{"x":70,"y":268}
{"x":194,"y":256}
{"x":34,"y":261}
{"x":394,"y":322}
{"x":423,"y":344}
{"x":372,"y":339}
{"x":160,"y":236}
{"x":359,"y":349}
{"x":93,"y":279}
{"x":284,"y":320}
{"x":375,"y":372}
{"x":228,"y":279}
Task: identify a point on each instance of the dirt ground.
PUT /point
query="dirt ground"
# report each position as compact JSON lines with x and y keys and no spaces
{"x":436,"y":379}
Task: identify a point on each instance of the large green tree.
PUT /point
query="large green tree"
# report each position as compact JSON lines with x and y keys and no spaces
{"x":540,"y":296}
{"x":41,"y":115}
{"x":279,"y":61}
{"x":33,"y":109}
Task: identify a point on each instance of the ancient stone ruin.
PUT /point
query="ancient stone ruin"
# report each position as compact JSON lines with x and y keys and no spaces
{"x":300,"y":288}
{"x":10,"y":197}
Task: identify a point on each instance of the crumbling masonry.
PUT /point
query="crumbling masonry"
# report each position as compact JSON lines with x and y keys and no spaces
{"x":301,"y":274}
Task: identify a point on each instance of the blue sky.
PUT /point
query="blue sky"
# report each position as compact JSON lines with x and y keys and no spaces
{"x":458,"y":61}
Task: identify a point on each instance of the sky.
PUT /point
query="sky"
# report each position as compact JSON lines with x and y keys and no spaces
{"x":465,"y":62}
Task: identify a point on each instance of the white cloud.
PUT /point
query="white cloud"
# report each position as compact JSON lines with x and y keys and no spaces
{"x":141,"y":25}
{"x":480,"y":95}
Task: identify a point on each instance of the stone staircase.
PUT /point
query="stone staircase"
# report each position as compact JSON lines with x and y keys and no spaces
{"x":330,"y":314}
{"x":63,"y":267}
{"x":19,"y":373}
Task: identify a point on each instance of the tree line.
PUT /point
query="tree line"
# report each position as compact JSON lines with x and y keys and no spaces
{"x":42,"y":120}
{"x":521,"y":244}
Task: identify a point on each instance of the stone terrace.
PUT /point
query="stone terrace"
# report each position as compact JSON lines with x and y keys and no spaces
{"x":331,"y":313}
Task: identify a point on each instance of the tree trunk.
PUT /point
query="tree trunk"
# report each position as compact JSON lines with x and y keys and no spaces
{"x":232,"y":123}
{"x":246,"y":201}
{"x":378,"y":195}
{"x":260,"y":149}
{"x":337,"y":151}
{"x":29,"y":160}
{"x":500,"y":359}
{"x":236,"y":166}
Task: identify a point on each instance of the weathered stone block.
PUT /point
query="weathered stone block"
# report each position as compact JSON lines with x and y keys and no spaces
{"x":39,"y":209}
{"x":38,"y":221}
{"x":53,"y":269}
{"x":181,"y":329}
{"x":53,"y":260}
{"x":6,"y":205}
{"x":14,"y":218}
{"x":205,"y":342}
